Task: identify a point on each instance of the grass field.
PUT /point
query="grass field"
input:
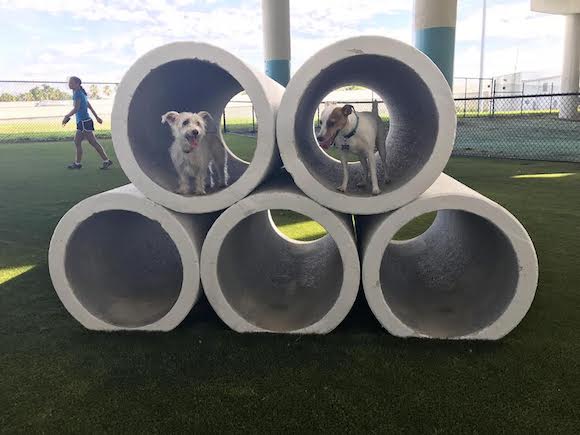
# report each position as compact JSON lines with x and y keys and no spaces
{"x":531,"y":136}
{"x":57,"y":377}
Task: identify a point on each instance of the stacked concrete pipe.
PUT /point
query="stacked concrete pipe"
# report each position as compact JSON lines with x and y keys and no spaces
{"x":259,"y":280}
{"x":421,"y":131}
{"x":190,"y":77}
{"x":119,"y":261}
{"x":132,"y":258}
{"x":471,"y":275}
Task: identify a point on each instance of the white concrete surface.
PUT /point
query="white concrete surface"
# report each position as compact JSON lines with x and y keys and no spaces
{"x":471,"y":275}
{"x":428,"y":13}
{"x":258,"y":280}
{"x":559,"y":7}
{"x":118,"y":261}
{"x":189,"y":76}
{"x":276,"y":29}
{"x":571,"y":68}
{"x":422,"y":123}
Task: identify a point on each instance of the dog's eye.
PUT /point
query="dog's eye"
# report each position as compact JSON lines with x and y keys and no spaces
{"x":186,"y":122}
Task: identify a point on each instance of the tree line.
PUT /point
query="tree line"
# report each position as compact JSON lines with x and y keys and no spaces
{"x":47,"y":92}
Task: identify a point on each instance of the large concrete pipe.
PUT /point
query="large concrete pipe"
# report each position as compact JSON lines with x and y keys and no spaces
{"x":118,"y":261}
{"x":421,"y":132}
{"x":190,"y":76}
{"x":471,"y":275}
{"x":258,"y":280}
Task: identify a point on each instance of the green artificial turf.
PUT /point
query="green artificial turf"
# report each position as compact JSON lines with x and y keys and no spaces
{"x":57,"y":377}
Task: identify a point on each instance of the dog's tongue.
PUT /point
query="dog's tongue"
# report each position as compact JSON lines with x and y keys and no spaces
{"x":326,"y":143}
{"x":193,"y":142}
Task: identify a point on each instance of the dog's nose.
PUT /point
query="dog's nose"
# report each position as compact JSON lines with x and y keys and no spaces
{"x":194,"y":132}
{"x":319,"y":138}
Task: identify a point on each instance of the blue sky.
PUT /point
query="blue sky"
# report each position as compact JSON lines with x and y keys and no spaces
{"x":99,"y":39}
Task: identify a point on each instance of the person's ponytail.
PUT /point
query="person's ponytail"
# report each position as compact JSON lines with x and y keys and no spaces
{"x":83,"y":89}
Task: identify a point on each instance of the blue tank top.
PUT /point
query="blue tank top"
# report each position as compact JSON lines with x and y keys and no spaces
{"x":83,"y":113}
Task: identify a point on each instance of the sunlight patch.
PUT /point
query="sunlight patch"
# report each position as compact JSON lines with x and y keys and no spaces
{"x":9,"y":273}
{"x":303,"y":231}
{"x":554,"y":175}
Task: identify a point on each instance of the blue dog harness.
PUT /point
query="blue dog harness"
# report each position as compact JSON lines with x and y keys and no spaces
{"x":345,"y":146}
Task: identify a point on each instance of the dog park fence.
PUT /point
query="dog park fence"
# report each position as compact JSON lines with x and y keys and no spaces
{"x":523,"y":124}
{"x":130,"y":258}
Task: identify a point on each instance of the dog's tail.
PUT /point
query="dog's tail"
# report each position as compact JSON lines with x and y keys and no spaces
{"x":375,"y":108}
{"x":213,"y":128}
{"x":226,"y":174}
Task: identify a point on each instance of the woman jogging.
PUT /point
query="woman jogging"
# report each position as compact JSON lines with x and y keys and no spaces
{"x":85,"y":126}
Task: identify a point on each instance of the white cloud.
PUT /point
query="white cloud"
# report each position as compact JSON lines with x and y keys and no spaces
{"x":510,"y":21}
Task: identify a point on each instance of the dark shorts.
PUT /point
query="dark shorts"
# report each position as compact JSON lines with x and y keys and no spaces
{"x":86,"y":125}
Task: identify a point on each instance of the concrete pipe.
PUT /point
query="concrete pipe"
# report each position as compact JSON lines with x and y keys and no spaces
{"x":190,"y":76}
{"x":421,"y":131}
{"x":258,"y":280}
{"x":118,"y":261}
{"x":471,"y":275}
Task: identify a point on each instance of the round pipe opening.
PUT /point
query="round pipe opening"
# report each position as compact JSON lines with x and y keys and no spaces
{"x":259,"y":279}
{"x":413,"y":126}
{"x":123,"y":268}
{"x":276,"y":283}
{"x":456,"y":278}
{"x":421,"y":127}
{"x":187,"y":85}
{"x":193,"y":77}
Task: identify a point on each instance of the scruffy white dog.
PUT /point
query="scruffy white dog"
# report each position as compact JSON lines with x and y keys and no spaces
{"x":360,"y":133}
{"x":197,"y":143}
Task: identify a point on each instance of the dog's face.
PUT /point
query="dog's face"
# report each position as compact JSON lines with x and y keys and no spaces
{"x":188,"y":128}
{"x":333,"y":119}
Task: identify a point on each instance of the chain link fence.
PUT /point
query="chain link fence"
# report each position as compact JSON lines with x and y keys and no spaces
{"x":501,"y":124}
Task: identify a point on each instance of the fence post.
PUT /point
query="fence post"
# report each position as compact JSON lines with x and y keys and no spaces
{"x":551,"y":96}
{"x":225,"y":127}
{"x":465,"y":96}
{"x":253,"y":122}
{"x":523,"y":93}
{"x":493,"y":83}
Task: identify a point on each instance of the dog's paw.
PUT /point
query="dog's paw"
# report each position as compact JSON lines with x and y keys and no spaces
{"x":200,"y":192}
{"x":182,"y":191}
{"x":341,"y":188}
{"x":376,"y":191}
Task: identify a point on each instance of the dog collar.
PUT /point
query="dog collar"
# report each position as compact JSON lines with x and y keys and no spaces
{"x":353,"y":132}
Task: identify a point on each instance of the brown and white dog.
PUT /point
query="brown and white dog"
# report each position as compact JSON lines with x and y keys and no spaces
{"x":361,"y":133}
{"x":197,"y":143}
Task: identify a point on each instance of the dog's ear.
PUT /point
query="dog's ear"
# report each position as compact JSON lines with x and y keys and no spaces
{"x":169,"y":117}
{"x":347,"y":109}
{"x":210,"y":124}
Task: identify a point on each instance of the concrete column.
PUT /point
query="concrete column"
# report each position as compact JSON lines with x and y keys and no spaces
{"x":276,"y":30}
{"x":571,"y":67}
{"x":435,"y":32}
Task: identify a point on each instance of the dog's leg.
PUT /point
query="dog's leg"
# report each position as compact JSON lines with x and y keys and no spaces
{"x":373,"y":169}
{"x":183,"y":188}
{"x":200,"y":182}
{"x":365,"y":167}
{"x":382,"y":147}
{"x":344,"y":161}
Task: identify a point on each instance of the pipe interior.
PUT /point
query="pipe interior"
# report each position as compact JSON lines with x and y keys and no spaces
{"x":275,"y":283}
{"x":189,"y":85}
{"x":124,"y":268}
{"x":413,"y":125}
{"x":456,"y":278}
